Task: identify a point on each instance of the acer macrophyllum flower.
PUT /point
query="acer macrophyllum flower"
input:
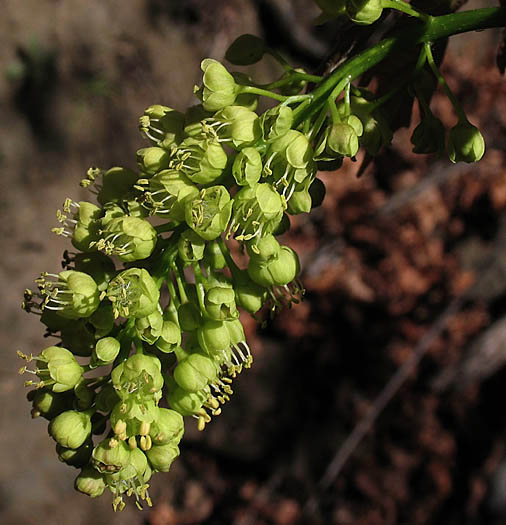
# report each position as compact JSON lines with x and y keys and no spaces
{"x":465,"y":143}
{"x":110,"y":456}
{"x":149,"y":328}
{"x":220,"y":89}
{"x":90,"y":482}
{"x":105,"y":351}
{"x":247,"y":167}
{"x":56,"y":367}
{"x":186,"y":403}
{"x":80,"y":221}
{"x":133,"y":293}
{"x":162,"y":125}
{"x":209,"y":213}
{"x":278,"y":272}
{"x":300,"y":201}
{"x":78,"y":457}
{"x":195,"y":372}
{"x":213,"y":337}
{"x":257,"y":211}
{"x":213,"y":257}
{"x":71,"y":429}
{"x":168,"y":427}
{"x":343,"y":139}
{"x":201,"y":160}
{"x":220,"y":303}
{"x":161,"y":457}
{"x":49,"y":404}
{"x":152,"y":160}
{"x":140,"y":375}
{"x":166,"y":193}
{"x":428,"y":136}
{"x":132,"y":417}
{"x":189,"y":316}
{"x":170,"y":337}
{"x":116,"y":183}
{"x":248,"y":294}
{"x":71,"y":294}
{"x":129,"y":238}
{"x":236,"y":125}
{"x":276,"y":122}
{"x":190,"y":247}
{"x":265,"y":250}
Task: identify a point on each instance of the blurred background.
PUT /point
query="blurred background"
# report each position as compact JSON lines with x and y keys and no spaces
{"x":382,"y":259}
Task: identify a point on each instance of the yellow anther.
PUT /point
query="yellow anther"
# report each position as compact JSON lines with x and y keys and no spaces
{"x":132,"y":442}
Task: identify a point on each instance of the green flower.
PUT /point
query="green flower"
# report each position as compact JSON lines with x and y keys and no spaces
{"x":110,"y":456}
{"x":278,"y":272}
{"x":248,"y":294}
{"x":71,"y":429}
{"x":105,"y":352}
{"x":343,"y":139}
{"x":208,"y":215}
{"x":202,"y":161}
{"x":133,"y":293}
{"x":131,"y":417}
{"x":213,"y":337}
{"x":71,"y":294}
{"x":220,"y":303}
{"x":190,"y":247}
{"x":237,"y":125}
{"x":247,"y":167}
{"x":90,"y":482}
{"x":213,"y":257}
{"x":170,"y":337}
{"x":106,"y":398}
{"x":78,"y":457}
{"x":220,"y":89}
{"x":162,"y":125}
{"x":139,"y":375}
{"x":195,"y":372}
{"x":117,"y":182}
{"x":428,"y":136}
{"x":161,"y":457}
{"x":168,"y":427}
{"x":276,"y":122}
{"x":129,"y":238}
{"x":152,"y":160}
{"x":364,"y":12}
{"x":96,"y":265}
{"x":49,"y":404}
{"x":465,"y":143}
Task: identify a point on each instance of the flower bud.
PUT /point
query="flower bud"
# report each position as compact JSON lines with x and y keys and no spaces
{"x":170,"y":337}
{"x":245,"y":50}
{"x":78,"y":457}
{"x":343,"y":139}
{"x":49,"y":404}
{"x":90,"y":482}
{"x":111,"y":455}
{"x":105,"y":352}
{"x":276,"y":122}
{"x":213,"y":257}
{"x":239,"y":125}
{"x":247,"y":167}
{"x":190,"y":247}
{"x":300,"y":201}
{"x":116,"y":183}
{"x":364,"y":12}
{"x":208,"y":215}
{"x":213,"y":337}
{"x":265,"y":250}
{"x":70,"y":429}
{"x":133,"y":293}
{"x":168,"y":427}
{"x":248,"y":294}
{"x":220,"y":303}
{"x":152,"y":160}
{"x":279,"y":272}
{"x":149,"y":328}
{"x":428,"y":136}
{"x":195,"y":372}
{"x":189,"y":317}
{"x":162,"y":456}
{"x":465,"y":143}
{"x":220,"y":89}
{"x":186,"y":403}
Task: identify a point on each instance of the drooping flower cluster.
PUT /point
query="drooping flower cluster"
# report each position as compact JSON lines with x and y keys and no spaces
{"x":150,"y":301}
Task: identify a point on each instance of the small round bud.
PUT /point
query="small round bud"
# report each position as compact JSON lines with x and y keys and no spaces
{"x":105,"y":352}
{"x":78,"y":457}
{"x":465,"y":143}
{"x":170,"y":336}
{"x":195,"y":372}
{"x":213,"y":336}
{"x":90,"y":482}
{"x":152,"y":160}
{"x":61,"y":372}
{"x":343,"y":139}
{"x":48,"y":404}
{"x":162,"y":456}
{"x":220,"y":89}
{"x":116,"y":183}
{"x":428,"y":136}
{"x":71,"y":428}
{"x":168,"y":427}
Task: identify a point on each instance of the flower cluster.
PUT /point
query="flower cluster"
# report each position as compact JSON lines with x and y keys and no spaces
{"x":146,"y":311}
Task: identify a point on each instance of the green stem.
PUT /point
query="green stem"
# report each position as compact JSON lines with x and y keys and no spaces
{"x":263,"y":92}
{"x":433,"y":28}
{"x":199,"y":284}
{"x":442,"y":82}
